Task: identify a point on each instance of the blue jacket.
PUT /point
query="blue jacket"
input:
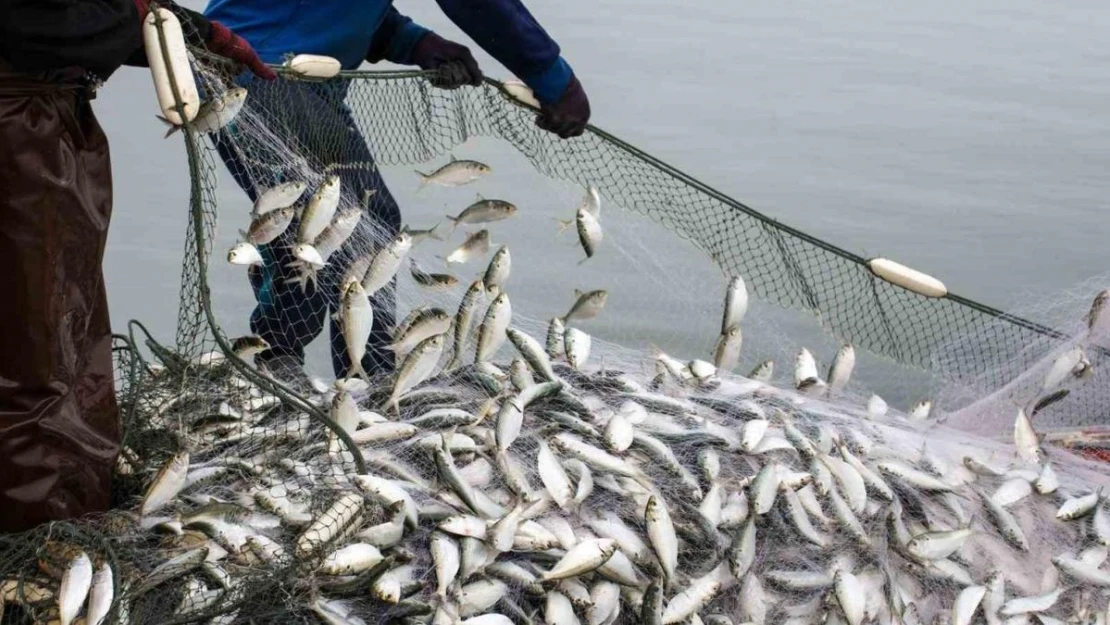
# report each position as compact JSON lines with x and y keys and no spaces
{"x":353,"y":30}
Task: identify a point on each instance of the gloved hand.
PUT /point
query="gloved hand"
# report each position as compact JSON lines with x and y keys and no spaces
{"x":216,"y":37}
{"x":456,"y":66}
{"x":223,"y":42}
{"x":567,"y":116}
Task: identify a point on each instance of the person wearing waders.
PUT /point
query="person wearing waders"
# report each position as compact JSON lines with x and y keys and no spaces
{"x":59,"y":425}
{"x":314,"y":118}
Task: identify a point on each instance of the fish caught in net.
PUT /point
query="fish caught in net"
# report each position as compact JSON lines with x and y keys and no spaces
{"x":483,"y":460}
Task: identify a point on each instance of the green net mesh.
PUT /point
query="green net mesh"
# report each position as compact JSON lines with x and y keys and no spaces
{"x":245,"y":496}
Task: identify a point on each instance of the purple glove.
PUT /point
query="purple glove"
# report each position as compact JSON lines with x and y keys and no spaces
{"x":453,"y":62}
{"x":567,"y":116}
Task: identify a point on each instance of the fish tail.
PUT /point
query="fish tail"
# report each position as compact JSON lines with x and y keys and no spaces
{"x":435,"y":235}
{"x":357,"y":370}
{"x":454,"y":224}
{"x":563,"y":225}
{"x":588,"y":257}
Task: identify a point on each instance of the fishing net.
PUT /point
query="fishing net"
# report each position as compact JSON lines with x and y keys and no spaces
{"x":486,"y":473}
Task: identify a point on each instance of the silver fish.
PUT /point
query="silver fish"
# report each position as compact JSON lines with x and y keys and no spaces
{"x":532,"y":352}
{"x":591,"y":203}
{"x":476,"y":244}
{"x":587,"y":306}
{"x":74,"y":588}
{"x":736,"y":303}
{"x":432,"y":281}
{"x":763,"y":372}
{"x":320,"y":210}
{"x":576,"y":345}
{"x":483,"y":211}
{"x":455,"y":173}
{"x":167,"y":484}
{"x":590,"y":234}
{"x":281,"y":195}
{"x":244,"y":254}
{"x":463,"y":320}
{"x":498,"y":270}
{"x":1097,"y":317}
{"x":419,"y":236}
{"x":417,"y":367}
{"x":338,"y":231}
{"x":268,"y":227}
{"x":841,"y":369}
{"x":661,"y":535}
{"x":427,"y":323}
{"x":386,"y":263}
{"x":356,"y":320}
{"x":101,"y":594}
{"x":727,"y":353}
{"x":491,"y":334}
{"x":214,"y":114}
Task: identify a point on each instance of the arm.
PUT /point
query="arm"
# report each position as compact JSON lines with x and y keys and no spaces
{"x":508,"y":32}
{"x":395,"y":39}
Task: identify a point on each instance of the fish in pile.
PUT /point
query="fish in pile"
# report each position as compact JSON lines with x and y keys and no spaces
{"x":547,"y":490}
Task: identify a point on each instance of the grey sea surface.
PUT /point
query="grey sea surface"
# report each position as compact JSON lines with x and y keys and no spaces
{"x":966,"y":139}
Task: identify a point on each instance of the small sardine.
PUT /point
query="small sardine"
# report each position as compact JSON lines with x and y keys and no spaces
{"x":727,"y":353}
{"x":320,"y":210}
{"x":167,"y":484}
{"x":498,"y":270}
{"x":417,"y":367}
{"x":587,"y":306}
{"x":483,"y":211}
{"x":589,"y":233}
{"x":264,"y":229}
{"x":455,"y":173}
{"x":356,"y":321}
{"x":281,"y":195}
{"x":74,"y":588}
{"x":476,"y":244}
{"x":386,"y":263}
{"x":244,"y":254}
{"x":491,"y":334}
{"x":841,"y":369}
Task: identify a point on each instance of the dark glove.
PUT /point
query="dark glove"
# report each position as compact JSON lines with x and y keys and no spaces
{"x":223,"y":42}
{"x":454,"y":63}
{"x":567,"y":116}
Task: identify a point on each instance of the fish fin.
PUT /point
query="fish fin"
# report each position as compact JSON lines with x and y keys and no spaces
{"x":578,"y":293}
{"x":563,"y":225}
{"x":479,"y":197}
{"x":453,"y":159}
{"x":424,"y":180}
{"x":173,"y":127}
{"x":584,"y":260}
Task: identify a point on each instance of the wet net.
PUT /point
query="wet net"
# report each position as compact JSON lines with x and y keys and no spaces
{"x":468,"y":443}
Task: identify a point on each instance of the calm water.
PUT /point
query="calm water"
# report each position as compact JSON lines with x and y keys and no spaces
{"x":968,"y":139}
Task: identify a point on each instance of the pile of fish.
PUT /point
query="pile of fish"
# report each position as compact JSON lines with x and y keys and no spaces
{"x":549,"y":491}
{"x":553,"y":489}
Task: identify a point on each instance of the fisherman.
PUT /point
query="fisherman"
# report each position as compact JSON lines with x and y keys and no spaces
{"x":314,"y":116}
{"x":59,"y":424}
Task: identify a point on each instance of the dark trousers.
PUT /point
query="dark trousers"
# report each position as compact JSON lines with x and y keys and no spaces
{"x":313,"y":120}
{"x":59,"y":424}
